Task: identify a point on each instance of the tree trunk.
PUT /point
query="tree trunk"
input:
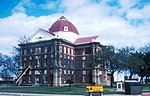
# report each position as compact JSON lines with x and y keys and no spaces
{"x":146,"y":80}
{"x":111,"y":79}
{"x":70,"y":87}
{"x":141,"y":80}
{"x":130,"y":77}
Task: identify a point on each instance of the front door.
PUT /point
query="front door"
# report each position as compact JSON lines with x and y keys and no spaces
{"x":37,"y":80}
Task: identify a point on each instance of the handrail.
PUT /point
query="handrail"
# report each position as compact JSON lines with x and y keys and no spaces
{"x":22,"y":74}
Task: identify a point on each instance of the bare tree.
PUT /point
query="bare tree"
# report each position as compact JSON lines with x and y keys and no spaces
{"x":70,"y":77}
{"x":8,"y":66}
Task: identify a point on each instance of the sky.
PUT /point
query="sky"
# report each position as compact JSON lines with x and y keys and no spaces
{"x":117,"y":22}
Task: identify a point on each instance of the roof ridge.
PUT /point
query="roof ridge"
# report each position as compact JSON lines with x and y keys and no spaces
{"x":88,"y":37}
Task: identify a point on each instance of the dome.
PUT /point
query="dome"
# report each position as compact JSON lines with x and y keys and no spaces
{"x":62,"y":24}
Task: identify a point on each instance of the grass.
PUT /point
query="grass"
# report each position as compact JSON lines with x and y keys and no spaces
{"x":146,"y":88}
{"x":76,"y":90}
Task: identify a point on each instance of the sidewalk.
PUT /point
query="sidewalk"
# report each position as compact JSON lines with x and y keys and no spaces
{"x":30,"y":94}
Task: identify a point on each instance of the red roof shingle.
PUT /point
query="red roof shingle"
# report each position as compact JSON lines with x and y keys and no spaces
{"x":85,"y":40}
{"x":60,"y":24}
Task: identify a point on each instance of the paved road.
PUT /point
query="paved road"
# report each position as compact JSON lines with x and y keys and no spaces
{"x":26,"y":94}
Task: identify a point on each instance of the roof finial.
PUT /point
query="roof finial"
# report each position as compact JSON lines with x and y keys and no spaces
{"x":62,"y":18}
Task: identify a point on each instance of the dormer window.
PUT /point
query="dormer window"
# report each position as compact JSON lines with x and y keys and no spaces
{"x":65,"y":28}
{"x":40,"y":37}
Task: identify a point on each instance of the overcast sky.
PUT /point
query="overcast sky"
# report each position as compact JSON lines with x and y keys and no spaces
{"x":117,"y":22}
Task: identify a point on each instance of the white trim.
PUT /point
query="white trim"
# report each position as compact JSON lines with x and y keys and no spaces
{"x":67,"y":35}
{"x":40,"y":33}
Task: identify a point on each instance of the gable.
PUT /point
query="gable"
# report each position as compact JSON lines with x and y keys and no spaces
{"x":41,"y":35}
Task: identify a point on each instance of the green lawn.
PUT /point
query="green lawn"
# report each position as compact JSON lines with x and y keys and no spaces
{"x":45,"y":90}
{"x":146,"y":88}
{"x":76,"y":90}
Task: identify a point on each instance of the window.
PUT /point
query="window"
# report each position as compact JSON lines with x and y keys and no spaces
{"x":71,"y":51}
{"x":72,"y":72}
{"x":52,"y":48}
{"x":38,"y":63}
{"x":68,"y":50}
{"x":52,"y":61}
{"x":60,"y":71}
{"x":45,"y":79}
{"x":52,"y":55}
{"x":29,"y":78}
{"x":25,"y":58}
{"x":36,"y":57}
{"x":84,"y":72}
{"x":46,"y":49}
{"x":83,"y":53}
{"x":83,"y":58}
{"x":83,"y":64}
{"x":30,"y":64}
{"x":65,"y":50}
{"x":68,"y":63}
{"x":60,"y":49}
{"x":60,"y":55}
{"x":64,"y":71}
{"x":64,"y":81}
{"x":72,"y":65}
{"x":51,"y":71}
{"x":45,"y":62}
{"x":64,"y":56}
{"x":39,"y":49}
{"x":31,"y":50}
{"x":40,"y":37}
{"x":25,"y":51}
{"x":68,"y":57}
{"x":93,"y":50}
{"x":65,"y":28}
{"x":84,"y":78}
{"x":24,"y":65}
{"x":45,"y":71}
{"x":45,"y":56}
{"x":68,"y":71}
{"x":36,"y":50}
{"x":96,"y":49}
{"x":30,"y":58}
{"x":71,"y":58}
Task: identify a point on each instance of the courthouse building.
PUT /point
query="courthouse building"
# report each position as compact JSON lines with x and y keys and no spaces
{"x":58,"y":55}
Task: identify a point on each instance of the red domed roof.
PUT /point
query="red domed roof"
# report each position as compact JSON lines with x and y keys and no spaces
{"x":61,"y":24}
